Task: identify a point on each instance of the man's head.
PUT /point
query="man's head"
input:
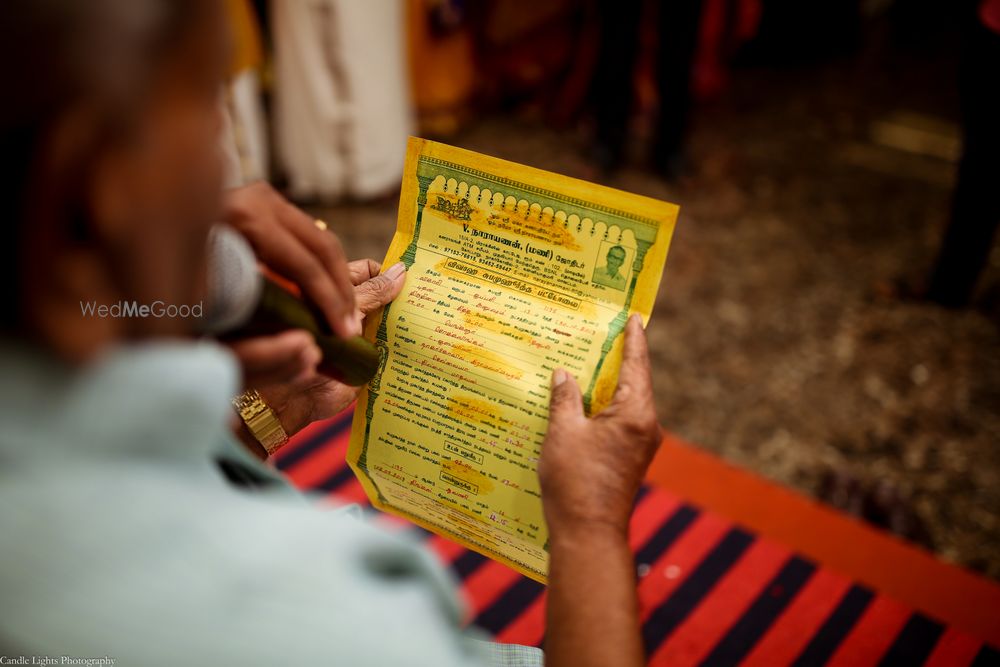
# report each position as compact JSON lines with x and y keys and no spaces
{"x":615,"y":259}
{"x":111,"y":176}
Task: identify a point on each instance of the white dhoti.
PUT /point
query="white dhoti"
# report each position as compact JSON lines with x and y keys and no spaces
{"x":342,"y":107}
{"x":248,"y":126}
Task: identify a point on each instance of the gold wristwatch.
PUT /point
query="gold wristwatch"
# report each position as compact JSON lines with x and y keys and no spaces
{"x":261,"y":420}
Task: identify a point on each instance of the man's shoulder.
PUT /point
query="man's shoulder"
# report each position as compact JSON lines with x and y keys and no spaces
{"x":129,"y":498}
{"x":160,"y":554}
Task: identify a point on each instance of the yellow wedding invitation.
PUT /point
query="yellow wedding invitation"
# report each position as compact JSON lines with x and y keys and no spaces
{"x":512,"y":272}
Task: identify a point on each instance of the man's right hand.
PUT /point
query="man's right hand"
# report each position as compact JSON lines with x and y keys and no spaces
{"x":591,"y":469}
{"x":287,"y":240}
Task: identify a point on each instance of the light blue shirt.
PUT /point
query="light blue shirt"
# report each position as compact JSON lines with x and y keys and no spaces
{"x":119,"y":536}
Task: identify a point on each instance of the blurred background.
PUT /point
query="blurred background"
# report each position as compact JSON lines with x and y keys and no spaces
{"x":813,"y":324}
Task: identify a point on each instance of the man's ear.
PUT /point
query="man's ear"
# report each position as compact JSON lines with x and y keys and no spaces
{"x":88,"y":175}
{"x":64,"y":310}
{"x":64,"y":266}
{"x":109,"y":197}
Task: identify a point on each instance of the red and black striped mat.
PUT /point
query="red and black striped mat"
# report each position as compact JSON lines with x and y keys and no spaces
{"x":711,"y":592}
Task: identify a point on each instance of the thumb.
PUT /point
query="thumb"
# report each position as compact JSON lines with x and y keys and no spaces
{"x":565,"y":403}
{"x":376,"y":292}
{"x":635,"y":382}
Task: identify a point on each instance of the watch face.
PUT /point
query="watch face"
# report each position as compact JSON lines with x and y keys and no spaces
{"x":249,"y":403}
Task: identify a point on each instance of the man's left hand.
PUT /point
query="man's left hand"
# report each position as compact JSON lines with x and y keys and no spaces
{"x":315,"y":396}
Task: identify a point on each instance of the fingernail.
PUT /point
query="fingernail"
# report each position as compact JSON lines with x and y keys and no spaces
{"x":558,"y":377}
{"x":395,"y":271}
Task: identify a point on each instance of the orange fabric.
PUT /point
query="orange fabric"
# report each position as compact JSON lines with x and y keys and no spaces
{"x":442,"y":71}
{"x":709,"y":622}
{"x":790,"y":634}
{"x":872,"y":635}
{"x":908,"y":574}
{"x":954,"y":648}
{"x":245,"y":31}
{"x":681,"y":558}
{"x":487,"y":584}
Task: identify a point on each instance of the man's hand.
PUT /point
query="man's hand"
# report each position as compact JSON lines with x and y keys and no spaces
{"x":591,"y":469}
{"x":289,"y":356}
{"x":312,"y":396}
{"x":287,"y":240}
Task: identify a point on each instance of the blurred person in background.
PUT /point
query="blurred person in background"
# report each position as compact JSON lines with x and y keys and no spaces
{"x":975,"y":209}
{"x":612,"y":85}
{"x":122,"y":534}
{"x":248,"y":156}
{"x":342,"y":108}
{"x":439,"y":40}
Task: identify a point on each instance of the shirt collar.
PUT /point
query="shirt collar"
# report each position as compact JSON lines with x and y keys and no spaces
{"x":164,"y":399}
